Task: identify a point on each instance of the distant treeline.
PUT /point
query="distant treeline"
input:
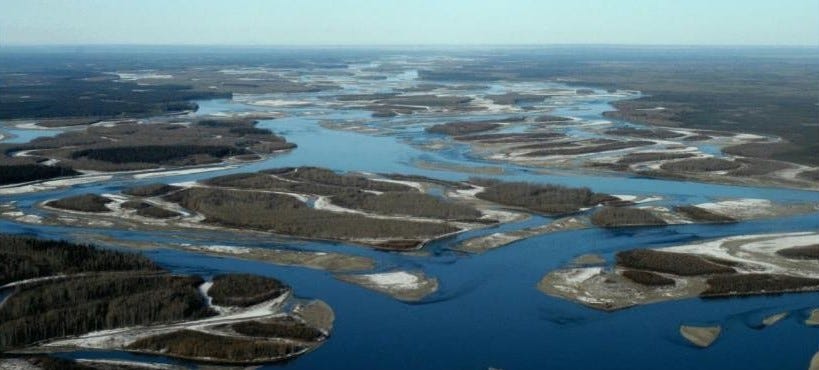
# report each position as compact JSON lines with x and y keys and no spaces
{"x":86,"y":94}
{"x":12,"y":174}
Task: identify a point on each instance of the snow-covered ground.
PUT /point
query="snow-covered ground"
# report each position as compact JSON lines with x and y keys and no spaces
{"x":180,"y":172}
{"x":52,"y":184}
{"x":740,"y":208}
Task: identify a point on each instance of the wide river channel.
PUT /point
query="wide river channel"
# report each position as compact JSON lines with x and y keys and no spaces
{"x":487,"y":312}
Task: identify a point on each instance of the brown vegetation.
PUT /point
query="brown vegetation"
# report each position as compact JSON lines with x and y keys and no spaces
{"x":150,"y":190}
{"x":812,"y":175}
{"x":83,"y":304}
{"x":25,"y":258}
{"x":808,"y":252}
{"x":145,"y":209}
{"x":429,"y":180}
{"x":406,"y":203}
{"x":17,"y":173}
{"x":760,"y":150}
{"x":757,"y":167}
{"x":644,"y":133}
{"x":548,"y":199}
{"x":82,"y":203}
{"x":702,"y":215}
{"x":632,"y":158}
{"x":462,"y":128}
{"x":132,"y":146}
{"x":516,"y":98}
{"x":287,"y":215}
{"x":245,"y":290}
{"x":284,"y":327}
{"x":621,"y":216}
{"x":673,"y":263}
{"x":196,"y":345}
{"x":617,"y":145}
{"x":748,"y":284}
{"x":647,"y":278}
{"x":510,"y":137}
{"x":551,"y":118}
{"x":700,"y":165}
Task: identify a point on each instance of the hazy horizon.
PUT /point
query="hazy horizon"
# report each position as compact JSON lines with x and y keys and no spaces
{"x":349,"y":23}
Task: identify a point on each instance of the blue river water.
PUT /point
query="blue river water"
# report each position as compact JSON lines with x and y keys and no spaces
{"x":487,"y":312}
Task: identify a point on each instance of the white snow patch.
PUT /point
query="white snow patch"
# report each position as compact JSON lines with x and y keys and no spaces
{"x":400,"y":280}
{"x":179,"y":172}
{"x":742,"y":208}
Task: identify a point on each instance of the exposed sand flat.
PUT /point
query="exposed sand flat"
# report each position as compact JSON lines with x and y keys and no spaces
{"x":180,"y":172}
{"x":280,"y":103}
{"x":814,"y":362}
{"x":639,"y":199}
{"x":701,"y":336}
{"x":588,"y":260}
{"x":667,"y":215}
{"x":402,"y":285}
{"x":128,"y":364}
{"x":52,"y":184}
{"x":413,"y":184}
{"x":608,"y":290}
{"x":775,"y":318}
{"x":329,"y":261}
{"x":487,"y":242}
{"x":317,"y":314}
{"x":757,"y":253}
{"x":133,"y":76}
{"x":813,"y":318}
{"x":740,"y":208}
{"x":323,"y":203}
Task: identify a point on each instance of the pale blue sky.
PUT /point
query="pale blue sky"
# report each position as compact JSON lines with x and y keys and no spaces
{"x":401,"y":22}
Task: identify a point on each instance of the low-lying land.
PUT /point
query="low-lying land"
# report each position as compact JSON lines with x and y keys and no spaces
{"x":63,"y":295}
{"x":402,"y":285}
{"x":732,"y":266}
{"x":133,"y":146}
{"x":470,"y":127}
{"x":546,"y":199}
{"x":306,"y":202}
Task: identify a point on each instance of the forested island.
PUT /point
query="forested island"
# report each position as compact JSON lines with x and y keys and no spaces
{"x":58,"y":294}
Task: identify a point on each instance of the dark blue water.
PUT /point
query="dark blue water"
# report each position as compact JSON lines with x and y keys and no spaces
{"x":488,"y":311}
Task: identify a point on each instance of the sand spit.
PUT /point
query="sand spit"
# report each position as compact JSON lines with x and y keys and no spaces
{"x":700,"y":336}
{"x":401,"y":285}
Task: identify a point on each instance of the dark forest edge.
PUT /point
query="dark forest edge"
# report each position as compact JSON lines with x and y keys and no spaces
{"x":56,"y":290}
